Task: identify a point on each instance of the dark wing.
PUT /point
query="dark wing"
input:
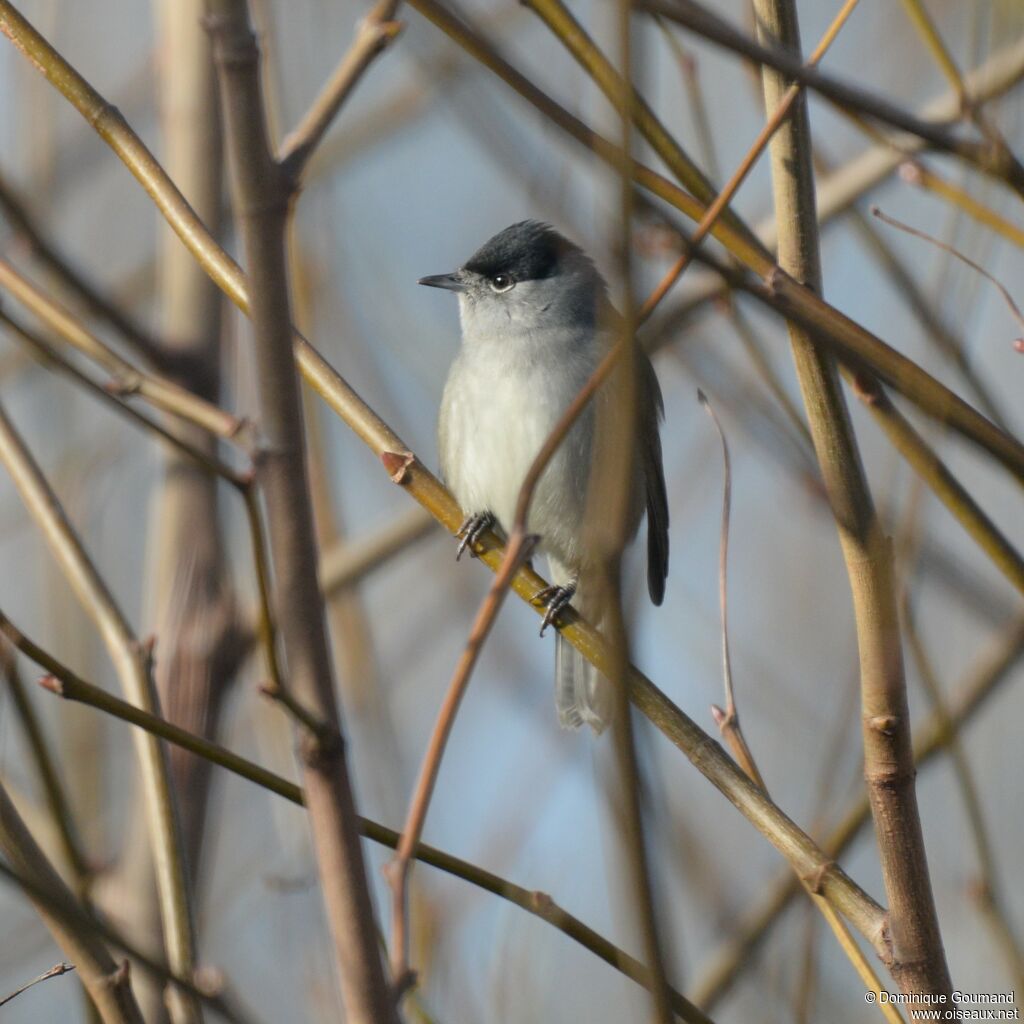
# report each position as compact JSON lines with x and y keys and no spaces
{"x":652,"y":410}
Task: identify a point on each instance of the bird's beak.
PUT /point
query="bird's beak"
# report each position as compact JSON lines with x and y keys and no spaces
{"x":451,"y":282}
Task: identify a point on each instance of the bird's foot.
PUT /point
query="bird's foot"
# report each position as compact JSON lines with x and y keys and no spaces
{"x":555,"y":600}
{"x":471,"y":530}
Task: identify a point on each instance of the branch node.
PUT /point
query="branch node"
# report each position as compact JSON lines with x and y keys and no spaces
{"x":541,"y":902}
{"x":815,"y":880}
{"x":884,"y":724}
{"x":120,"y":978}
{"x":774,"y":278}
{"x":866,"y":387}
{"x":53,"y":684}
{"x":397,"y":464}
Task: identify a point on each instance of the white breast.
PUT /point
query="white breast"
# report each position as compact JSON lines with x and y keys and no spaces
{"x":500,"y":403}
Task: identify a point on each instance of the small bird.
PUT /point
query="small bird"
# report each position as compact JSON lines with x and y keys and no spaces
{"x":536,"y":321}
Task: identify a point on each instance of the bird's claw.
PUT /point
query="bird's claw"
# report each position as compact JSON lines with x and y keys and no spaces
{"x":471,"y":530}
{"x":555,"y":599}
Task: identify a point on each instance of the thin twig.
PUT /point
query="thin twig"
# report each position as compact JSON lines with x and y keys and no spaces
{"x":374,"y":33}
{"x":67,"y":684}
{"x":132,"y":662}
{"x":771,"y":126}
{"x":1015,"y":311}
{"x":998,"y":163}
{"x":728,"y":720}
{"x":126,"y":378}
{"x":108,"y":986}
{"x":45,"y":251}
{"x":54,"y":972}
{"x":397,"y":873}
{"x":933,"y":736}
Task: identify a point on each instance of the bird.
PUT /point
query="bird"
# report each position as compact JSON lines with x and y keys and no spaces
{"x":536,"y":320}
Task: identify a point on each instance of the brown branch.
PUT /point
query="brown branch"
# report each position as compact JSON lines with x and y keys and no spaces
{"x":132,"y":663}
{"x":106,"y":983}
{"x":260,"y":195}
{"x":374,"y":33}
{"x":195,"y":606}
{"x":126,"y":378}
{"x":45,"y":251}
{"x":917,"y":959}
{"x":71,"y":917}
{"x":933,"y":737}
{"x":407,"y":471}
{"x":995,"y":161}
{"x":68,"y":685}
{"x":397,"y":871}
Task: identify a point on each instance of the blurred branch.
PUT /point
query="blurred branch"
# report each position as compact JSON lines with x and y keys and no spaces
{"x":53,"y":905}
{"x":852,"y":343}
{"x":933,"y":737}
{"x":65,"y":683}
{"x":53,"y":359}
{"x":375,"y":32}
{"x":830,"y":327}
{"x":106,"y":982}
{"x":127,"y":379}
{"x":46,"y":767}
{"x":348,"y":562}
{"x":996,"y":161}
{"x":195,"y":607}
{"x":260,"y":197}
{"x":915,"y":173}
{"x":611,"y":492}
{"x":132,"y":663}
{"x":397,"y":871}
{"x":925,"y":27}
{"x":625,"y":99}
{"x":100,"y":305}
{"x":935,"y":473}
{"x":917,"y":959}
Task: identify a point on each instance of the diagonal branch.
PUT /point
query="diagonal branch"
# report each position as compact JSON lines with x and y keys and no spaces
{"x":107,"y":983}
{"x":375,"y":32}
{"x":65,"y":683}
{"x":132,"y":663}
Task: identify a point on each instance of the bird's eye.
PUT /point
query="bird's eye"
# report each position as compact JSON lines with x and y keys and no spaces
{"x":502,"y":282}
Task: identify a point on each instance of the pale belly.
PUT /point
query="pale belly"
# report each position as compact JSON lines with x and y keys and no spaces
{"x":492,"y":427}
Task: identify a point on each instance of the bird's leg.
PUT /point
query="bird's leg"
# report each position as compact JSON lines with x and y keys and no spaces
{"x":471,"y":530}
{"x":555,"y":598}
